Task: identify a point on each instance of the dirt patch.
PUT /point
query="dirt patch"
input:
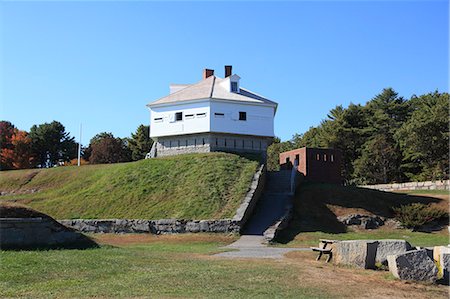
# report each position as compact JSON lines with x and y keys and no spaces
{"x":135,"y":239}
{"x":443,"y":203}
{"x":343,"y":211}
{"x":348,"y":281}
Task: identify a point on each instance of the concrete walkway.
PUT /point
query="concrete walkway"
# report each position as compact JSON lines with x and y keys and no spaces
{"x":253,"y":247}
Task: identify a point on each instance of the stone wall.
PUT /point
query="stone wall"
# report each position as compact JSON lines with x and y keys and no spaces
{"x":210,"y":142}
{"x":28,"y":233}
{"x":162,"y":226}
{"x":246,"y":208}
{"x":429,"y":185}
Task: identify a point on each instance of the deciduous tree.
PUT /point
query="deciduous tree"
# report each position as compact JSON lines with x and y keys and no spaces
{"x":6,"y":132}
{"x":19,"y":155}
{"x":105,"y":148}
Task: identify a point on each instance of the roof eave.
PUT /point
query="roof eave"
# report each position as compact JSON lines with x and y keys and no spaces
{"x":154,"y":104}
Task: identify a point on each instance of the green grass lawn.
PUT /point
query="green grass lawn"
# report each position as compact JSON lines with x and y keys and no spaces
{"x":198,"y":186}
{"x":161,"y":269}
{"x":182,"y":266}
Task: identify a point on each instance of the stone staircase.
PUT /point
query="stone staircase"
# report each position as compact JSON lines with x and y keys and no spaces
{"x":272,"y":204}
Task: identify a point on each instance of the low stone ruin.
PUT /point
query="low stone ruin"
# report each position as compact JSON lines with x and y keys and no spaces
{"x":358,"y":253}
{"x":413,"y":265}
{"x":363,"y":221}
{"x":23,"y":228}
{"x":390,"y":247}
{"x":441,"y":255}
{"x":404,"y":261}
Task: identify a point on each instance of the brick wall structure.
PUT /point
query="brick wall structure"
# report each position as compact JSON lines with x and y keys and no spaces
{"x":316,"y":164}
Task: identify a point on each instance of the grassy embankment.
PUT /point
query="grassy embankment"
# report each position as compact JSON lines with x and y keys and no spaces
{"x":182,"y":266}
{"x":196,"y":186}
{"x":317,"y":207}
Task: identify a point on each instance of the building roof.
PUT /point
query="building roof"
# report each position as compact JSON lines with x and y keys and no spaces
{"x":211,"y":88}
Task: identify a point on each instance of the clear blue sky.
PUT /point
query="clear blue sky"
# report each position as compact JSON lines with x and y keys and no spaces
{"x":100,"y":63}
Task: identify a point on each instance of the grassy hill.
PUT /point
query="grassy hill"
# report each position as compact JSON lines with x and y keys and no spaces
{"x":318,"y":206}
{"x":196,"y":186}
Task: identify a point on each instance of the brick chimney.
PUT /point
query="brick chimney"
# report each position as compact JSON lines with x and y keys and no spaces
{"x":228,"y":71}
{"x":207,"y":73}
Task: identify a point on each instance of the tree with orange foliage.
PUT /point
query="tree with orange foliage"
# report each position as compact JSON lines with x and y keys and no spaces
{"x":23,"y":157}
{"x":19,"y":155}
{"x":6,"y":131}
{"x":74,"y":162}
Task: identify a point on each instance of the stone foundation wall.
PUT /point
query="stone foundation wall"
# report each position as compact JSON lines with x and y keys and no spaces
{"x":246,"y":208}
{"x":163,"y":226}
{"x":210,"y":142}
{"x":429,"y":185}
{"x":25,"y":233}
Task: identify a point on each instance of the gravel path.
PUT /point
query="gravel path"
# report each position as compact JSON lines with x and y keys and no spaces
{"x":251,"y":246}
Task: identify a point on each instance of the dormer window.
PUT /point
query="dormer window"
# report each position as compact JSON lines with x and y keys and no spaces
{"x":234,"y":87}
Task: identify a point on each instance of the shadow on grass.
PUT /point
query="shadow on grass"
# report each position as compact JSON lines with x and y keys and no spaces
{"x":83,"y":243}
{"x":313,"y":201}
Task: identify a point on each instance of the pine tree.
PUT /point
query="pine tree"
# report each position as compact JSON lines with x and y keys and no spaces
{"x":140,"y":143}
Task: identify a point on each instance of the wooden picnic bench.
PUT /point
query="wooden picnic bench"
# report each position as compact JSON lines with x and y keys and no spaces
{"x":322,"y":249}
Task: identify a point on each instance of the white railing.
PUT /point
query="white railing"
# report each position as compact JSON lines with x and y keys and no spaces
{"x":152,"y":153}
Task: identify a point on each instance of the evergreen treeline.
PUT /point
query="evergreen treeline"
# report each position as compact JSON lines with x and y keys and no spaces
{"x":389,"y":139}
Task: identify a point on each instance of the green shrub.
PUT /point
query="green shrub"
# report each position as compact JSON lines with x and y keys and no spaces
{"x":417,"y":214}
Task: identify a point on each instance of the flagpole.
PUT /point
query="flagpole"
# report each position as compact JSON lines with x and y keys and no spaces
{"x":79,"y":148}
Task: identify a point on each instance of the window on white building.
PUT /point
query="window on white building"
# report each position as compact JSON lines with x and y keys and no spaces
{"x":189,"y":116}
{"x":234,"y":87}
{"x":219,"y":115}
{"x":158,"y":119}
{"x":201,"y":114}
{"x":178,"y":116}
{"x":242,"y":115}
